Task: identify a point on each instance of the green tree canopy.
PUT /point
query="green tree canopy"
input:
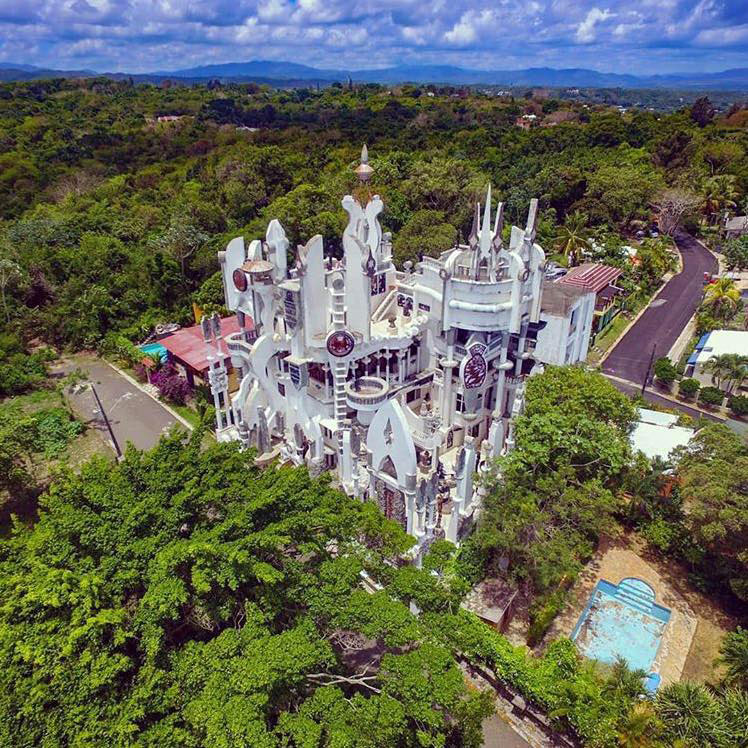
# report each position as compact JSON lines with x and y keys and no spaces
{"x":184,"y":598}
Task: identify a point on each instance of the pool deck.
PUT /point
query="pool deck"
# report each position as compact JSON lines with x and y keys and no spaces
{"x":614,"y":562}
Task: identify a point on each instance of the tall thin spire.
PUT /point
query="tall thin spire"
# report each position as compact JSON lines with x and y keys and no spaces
{"x":485,"y":230}
{"x":473,"y":237}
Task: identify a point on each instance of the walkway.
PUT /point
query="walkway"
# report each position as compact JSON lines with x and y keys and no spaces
{"x":134,"y":416}
{"x":666,"y":316}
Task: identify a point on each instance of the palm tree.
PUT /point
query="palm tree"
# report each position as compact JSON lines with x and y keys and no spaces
{"x":641,"y":728}
{"x":690,"y":712}
{"x":719,"y":195}
{"x":722,"y":298}
{"x":623,"y":682}
{"x":730,"y":369}
{"x":572,"y":238}
{"x":733,"y":654}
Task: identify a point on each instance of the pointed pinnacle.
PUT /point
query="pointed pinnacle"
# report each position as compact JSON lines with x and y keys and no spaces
{"x":473,"y":238}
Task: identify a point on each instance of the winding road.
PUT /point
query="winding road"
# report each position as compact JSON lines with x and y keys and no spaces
{"x":666,"y":317}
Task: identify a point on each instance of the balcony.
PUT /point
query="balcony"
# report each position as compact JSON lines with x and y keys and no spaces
{"x":366,"y":393}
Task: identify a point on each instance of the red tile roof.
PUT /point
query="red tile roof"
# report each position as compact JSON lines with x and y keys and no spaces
{"x":591,"y":276}
{"x":189,"y":346}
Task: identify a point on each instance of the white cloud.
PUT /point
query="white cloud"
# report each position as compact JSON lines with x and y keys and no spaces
{"x":465,"y":31}
{"x":143,"y":35}
{"x":586,"y":29}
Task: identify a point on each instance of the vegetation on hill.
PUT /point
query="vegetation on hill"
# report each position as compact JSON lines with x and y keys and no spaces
{"x":111,"y":219}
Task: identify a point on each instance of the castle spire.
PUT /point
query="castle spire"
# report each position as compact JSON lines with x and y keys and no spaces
{"x":363,"y":170}
{"x":473,"y":237}
{"x":485,"y":230}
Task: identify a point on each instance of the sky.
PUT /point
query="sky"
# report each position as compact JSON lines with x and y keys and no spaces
{"x":623,"y":36}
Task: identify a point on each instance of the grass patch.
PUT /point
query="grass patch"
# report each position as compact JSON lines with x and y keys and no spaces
{"x":188,"y":413}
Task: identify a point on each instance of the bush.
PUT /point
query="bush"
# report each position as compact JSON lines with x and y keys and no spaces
{"x":711,"y":396}
{"x":738,"y":404}
{"x":171,"y":386}
{"x":542,"y":613}
{"x":665,"y":371}
{"x":689,"y":387}
{"x":122,"y":349}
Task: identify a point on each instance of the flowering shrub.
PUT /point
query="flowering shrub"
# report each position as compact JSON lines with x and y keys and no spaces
{"x":171,"y":386}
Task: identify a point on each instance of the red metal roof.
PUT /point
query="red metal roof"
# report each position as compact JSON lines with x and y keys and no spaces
{"x":591,"y":276}
{"x":189,"y":346}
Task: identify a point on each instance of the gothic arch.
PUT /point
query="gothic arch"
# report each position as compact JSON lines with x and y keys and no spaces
{"x":388,"y":438}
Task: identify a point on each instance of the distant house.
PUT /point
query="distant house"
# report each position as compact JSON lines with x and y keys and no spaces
{"x":736,"y":226}
{"x":657,"y":434}
{"x":170,"y":117}
{"x":715,"y":343}
{"x":568,"y":312}
{"x":599,"y":279}
{"x":526,"y":121}
{"x":188,"y":352}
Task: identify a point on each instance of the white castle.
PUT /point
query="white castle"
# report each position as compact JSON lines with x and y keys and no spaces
{"x":403,"y":383}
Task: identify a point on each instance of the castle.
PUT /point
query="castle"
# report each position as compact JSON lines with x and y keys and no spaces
{"x":404,"y":383}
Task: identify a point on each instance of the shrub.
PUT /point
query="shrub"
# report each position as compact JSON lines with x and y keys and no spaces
{"x":711,"y":396}
{"x":542,"y":613}
{"x":665,"y":371}
{"x":738,"y":404}
{"x":689,"y":387}
{"x":691,"y":714}
{"x":171,"y":386}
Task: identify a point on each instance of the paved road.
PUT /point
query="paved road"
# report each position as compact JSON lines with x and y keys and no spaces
{"x":652,"y":397}
{"x":498,"y":734}
{"x":134,"y":416}
{"x":666,"y":317}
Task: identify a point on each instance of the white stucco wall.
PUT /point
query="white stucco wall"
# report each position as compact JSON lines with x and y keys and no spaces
{"x":558,"y":342}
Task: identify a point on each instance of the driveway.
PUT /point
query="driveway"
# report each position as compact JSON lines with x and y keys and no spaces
{"x":134,"y":416}
{"x":666,"y":317}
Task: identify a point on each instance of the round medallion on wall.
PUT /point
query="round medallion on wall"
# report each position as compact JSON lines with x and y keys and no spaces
{"x":474,"y":367}
{"x":240,"y":279}
{"x":340,"y":343}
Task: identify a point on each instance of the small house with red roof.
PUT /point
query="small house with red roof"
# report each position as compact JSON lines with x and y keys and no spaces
{"x":600,"y":279}
{"x":189,"y":353}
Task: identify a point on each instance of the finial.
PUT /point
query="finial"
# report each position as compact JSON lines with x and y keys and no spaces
{"x":363,"y":170}
{"x":473,"y":238}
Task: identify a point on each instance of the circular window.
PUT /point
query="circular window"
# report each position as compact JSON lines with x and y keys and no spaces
{"x":340,"y":343}
{"x":240,"y":279}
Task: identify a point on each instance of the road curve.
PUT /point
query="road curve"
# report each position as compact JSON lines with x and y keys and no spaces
{"x":666,"y":317}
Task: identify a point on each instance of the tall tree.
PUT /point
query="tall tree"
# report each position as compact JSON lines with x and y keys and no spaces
{"x":572,"y":238}
{"x":713,"y":474}
{"x":722,"y":298}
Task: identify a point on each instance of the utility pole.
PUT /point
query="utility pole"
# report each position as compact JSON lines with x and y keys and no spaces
{"x":117,"y":450}
{"x":649,"y":368}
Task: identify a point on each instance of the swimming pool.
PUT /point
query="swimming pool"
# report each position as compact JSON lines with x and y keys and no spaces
{"x":155,"y":350}
{"x":621,"y":620}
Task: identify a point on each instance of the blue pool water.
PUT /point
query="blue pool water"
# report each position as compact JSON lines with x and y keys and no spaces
{"x":622,"y":620}
{"x":156,"y":350}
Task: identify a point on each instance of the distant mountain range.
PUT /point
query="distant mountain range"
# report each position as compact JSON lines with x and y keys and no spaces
{"x":290,"y":74}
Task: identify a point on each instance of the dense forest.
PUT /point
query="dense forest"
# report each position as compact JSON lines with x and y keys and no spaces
{"x":112,"y":218}
{"x":185,"y":598}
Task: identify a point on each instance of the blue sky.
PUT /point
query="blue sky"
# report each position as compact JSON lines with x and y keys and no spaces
{"x":636,"y":36}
